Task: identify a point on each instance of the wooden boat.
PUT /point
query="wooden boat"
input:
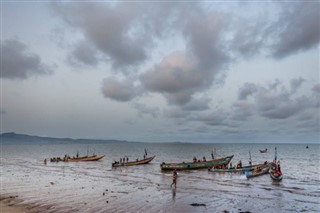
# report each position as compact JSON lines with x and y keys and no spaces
{"x":275,"y":172}
{"x":263,"y":150}
{"x":241,"y":170}
{"x":84,"y":158}
{"x":258,"y":171}
{"x":197,"y":165}
{"x":133,"y":163}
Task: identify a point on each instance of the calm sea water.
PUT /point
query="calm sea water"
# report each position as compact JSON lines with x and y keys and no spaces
{"x":96,"y":187}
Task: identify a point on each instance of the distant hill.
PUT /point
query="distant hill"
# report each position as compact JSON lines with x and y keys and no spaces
{"x":12,"y":137}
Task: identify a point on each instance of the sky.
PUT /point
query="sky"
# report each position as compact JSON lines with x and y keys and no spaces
{"x":160,"y":71}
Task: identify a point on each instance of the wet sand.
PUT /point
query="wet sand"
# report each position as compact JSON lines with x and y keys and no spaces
{"x":10,"y":205}
{"x":13,"y":204}
{"x":5,"y":208}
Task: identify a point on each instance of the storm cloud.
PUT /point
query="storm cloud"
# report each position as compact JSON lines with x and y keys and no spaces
{"x":19,"y":63}
{"x":297,"y":28}
{"x":126,"y":32}
{"x":273,"y":103}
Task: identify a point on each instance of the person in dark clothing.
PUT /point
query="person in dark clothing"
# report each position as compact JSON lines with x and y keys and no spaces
{"x":174,"y":179}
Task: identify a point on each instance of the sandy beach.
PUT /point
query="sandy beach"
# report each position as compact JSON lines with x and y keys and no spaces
{"x":14,"y":204}
{"x":10,"y":205}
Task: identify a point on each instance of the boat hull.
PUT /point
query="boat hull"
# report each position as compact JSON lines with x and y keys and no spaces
{"x":255,"y":173}
{"x":86,"y":158}
{"x":134,"y":163}
{"x":263,"y":151}
{"x":240,"y":170}
{"x":196,"y":165}
{"x":275,"y":174}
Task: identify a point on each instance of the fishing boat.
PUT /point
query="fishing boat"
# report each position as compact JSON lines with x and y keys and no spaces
{"x":263,"y":150}
{"x":133,"y":163}
{"x":240,"y":170}
{"x":258,"y":171}
{"x":84,"y":158}
{"x":219,"y":162}
{"x":275,"y":172}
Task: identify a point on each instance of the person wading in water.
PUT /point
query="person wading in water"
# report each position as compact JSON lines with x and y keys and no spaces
{"x":174,"y":179}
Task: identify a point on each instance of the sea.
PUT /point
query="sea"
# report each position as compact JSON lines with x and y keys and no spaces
{"x":97,"y":187}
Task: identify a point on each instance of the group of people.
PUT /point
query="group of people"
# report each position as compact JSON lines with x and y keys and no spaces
{"x":278,"y":168}
{"x":124,"y":160}
{"x":58,"y":159}
{"x":55,"y":159}
{"x":195,"y":159}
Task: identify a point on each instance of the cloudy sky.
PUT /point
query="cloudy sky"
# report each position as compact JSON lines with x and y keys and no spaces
{"x":162,"y":71}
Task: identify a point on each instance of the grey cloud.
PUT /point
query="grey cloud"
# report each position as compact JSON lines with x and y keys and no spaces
{"x":282,"y":108}
{"x":126,"y":32}
{"x":246,"y":90}
{"x":309,"y":120}
{"x":19,"y":63}
{"x":176,"y":113}
{"x":241,"y":110}
{"x":85,"y":53}
{"x":275,"y":84}
{"x":272,"y":103}
{"x":145,"y":110}
{"x":113,"y":29}
{"x":297,"y":28}
{"x":123,"y":31}
{"x":295,"y":83}
{"x":200,"y":104}
{"x":122,"y":91}
{"x":176,"y":77}
{"x":215,"y":118}
{"x":179,"y":76}
{"x":316,"y":88}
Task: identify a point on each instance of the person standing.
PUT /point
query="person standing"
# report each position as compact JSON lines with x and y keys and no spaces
{"x":174,"y":178}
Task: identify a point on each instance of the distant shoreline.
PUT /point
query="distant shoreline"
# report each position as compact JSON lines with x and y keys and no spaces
{"x":15,"y":138}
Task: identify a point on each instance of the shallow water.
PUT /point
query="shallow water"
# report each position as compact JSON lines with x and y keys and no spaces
{"x":96,"y":187}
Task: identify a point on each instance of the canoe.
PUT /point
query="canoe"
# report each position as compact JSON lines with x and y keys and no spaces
{"x":241,"y":170}
{"x":258,"y":171}
{"x":275,"y":172}
{"x":263,"y":150}
{"x":196,"y":165}
{"x":134,"y":163}
{"x":84,"y":158}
